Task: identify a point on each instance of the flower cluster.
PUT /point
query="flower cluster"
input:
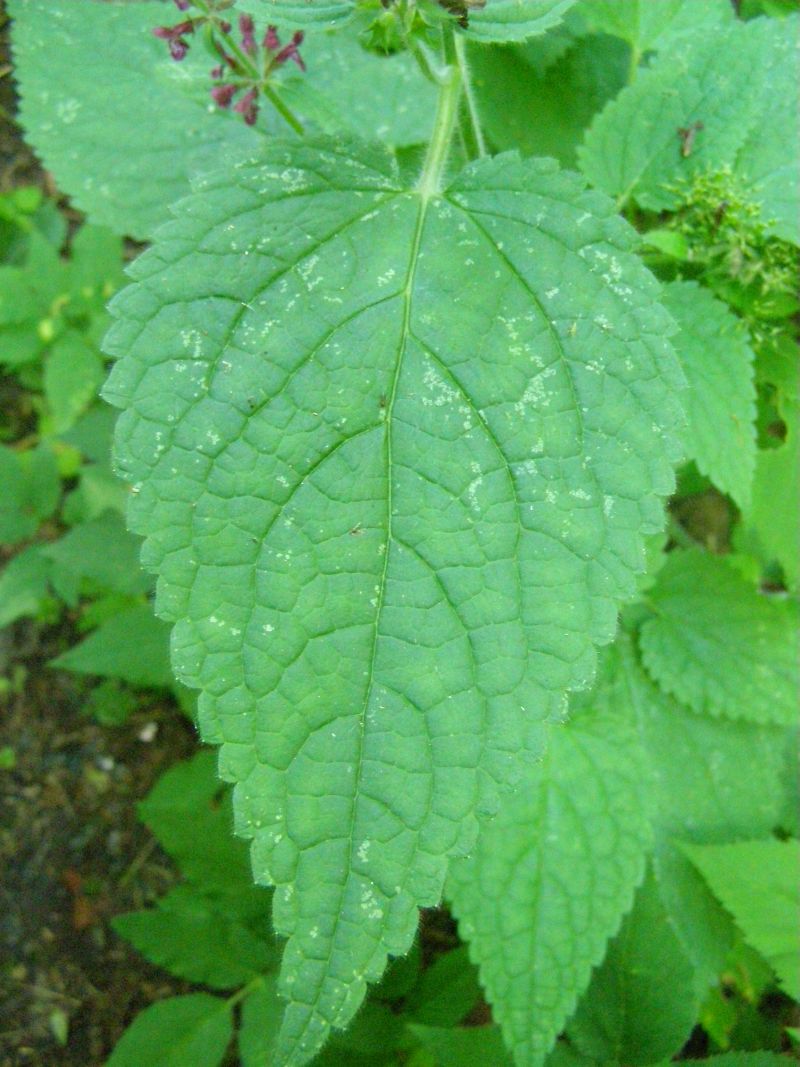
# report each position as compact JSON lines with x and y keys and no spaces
{"x":246,"y":66}
{"x":233,"y":76}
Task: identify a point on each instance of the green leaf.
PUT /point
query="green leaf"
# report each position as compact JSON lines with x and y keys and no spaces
{"x":641,"y":1005}
{"x":457,"y":1047}
{"x":31,"y":488}
{"x":122,"y":144}
{"x":721,"y":401}
{"x":23,"y":585}
{"x":649,"y":26}
{"x":260,"y":1023}
{"x":527,"y":900}
{"x":710,"y":780}
{"x":757,"y":881}
{"x":73,"y":372}
{"x":303,"y":13}
{"x":545,"y":112}
{"x":123,"y":147}
{"x":196,"y":940}
{"x":634,"y":146}
{"x":103,"y":551}
{"x":772,"y":517}
{"x":515,"y":20}
{"x":447,"y":991}
{"x":131,"y":646}
{"x":769,"y":160}
{"x":400,"y":552}
{"x":189,"y":811}
{"x":195,"y":1029}
{"x":719,"y":645}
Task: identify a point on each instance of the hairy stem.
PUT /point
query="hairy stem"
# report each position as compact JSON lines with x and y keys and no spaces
{"x":469,"y":120}
{"x":444,"y":124}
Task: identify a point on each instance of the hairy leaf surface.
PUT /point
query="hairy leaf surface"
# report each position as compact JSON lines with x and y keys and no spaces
{"x":719,"y":645}
{"x":550,"y":880}
{"x":394,"y":457}
{"x":721,"y":401}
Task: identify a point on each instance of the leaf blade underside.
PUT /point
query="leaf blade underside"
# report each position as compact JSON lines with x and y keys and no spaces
{"x":390,"y":514}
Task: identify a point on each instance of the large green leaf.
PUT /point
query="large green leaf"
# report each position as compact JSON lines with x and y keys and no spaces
{"x":718,"y":644}
{"x":758,"y":882}
{"x":721,"y":401}
{"x":554,"y":873}
{"x":394,"y":456}
{"x":123,"y":138}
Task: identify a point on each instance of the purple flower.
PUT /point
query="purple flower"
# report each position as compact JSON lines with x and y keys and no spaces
{"x":248,"y":107}
{"x":290,"y":51}
{"x":174,"y":36}
{"x":223,"y":94}
{"x":183,"y":5}
{"x":247,"y":30}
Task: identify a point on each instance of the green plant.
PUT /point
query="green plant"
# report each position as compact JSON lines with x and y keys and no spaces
{"x":400,"y":416}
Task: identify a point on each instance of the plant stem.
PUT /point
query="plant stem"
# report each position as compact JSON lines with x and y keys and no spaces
{"x":282,"y":109}
{"x":469,"y":121}
{"x":447,"y":107}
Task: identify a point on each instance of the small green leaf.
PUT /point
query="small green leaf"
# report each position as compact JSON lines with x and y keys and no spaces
{"x":545,"y":113}
{"x":104,"y":552}
{"x":772,"y":517}
{"x":447,"y":991}
{"x":758,"y":882}
{"x":131,"y":646}
{"x":260,"y":1022}
{"x":23,"y":585}
{"x":721,"y":400}
{"x":466,"y":1045}
{"x":641,"y":1004}
{"x":121,"y":146}
{"x":719,"y":645}
{"x":31,"y":488}
{"x":635,"y":146}
{"x":649,"y":26}
{"x":303,"y":13}
{"x":527,"y":899}
{"x":197,"y":940}
{"x":515,"y":20}
{"x":195,"y":1029}
{"x":189,"y":811}
{"x":73,"y":372}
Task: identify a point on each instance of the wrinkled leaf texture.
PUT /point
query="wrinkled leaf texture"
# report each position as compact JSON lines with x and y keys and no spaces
{"x":394,"y":457}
